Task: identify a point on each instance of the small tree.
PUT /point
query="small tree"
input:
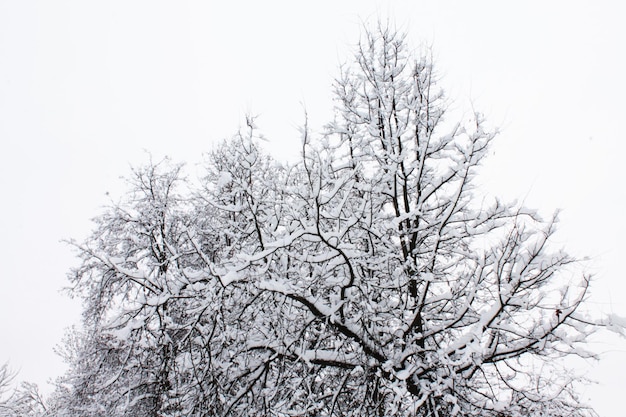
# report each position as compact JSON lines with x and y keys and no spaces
{"x":6,"y":379}
{"x":371,"y":278}
{"x":24,"y":400}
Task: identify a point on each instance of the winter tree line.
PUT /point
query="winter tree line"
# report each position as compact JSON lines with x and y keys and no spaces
{"x":370,"y":278}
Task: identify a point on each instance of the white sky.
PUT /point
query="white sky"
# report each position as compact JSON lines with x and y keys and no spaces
{"x":86,"y":87}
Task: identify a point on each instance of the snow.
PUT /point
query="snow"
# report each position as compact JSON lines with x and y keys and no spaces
{"x":231,"y":276}
{"x":616,"y":324}
{"x":224,"y":179}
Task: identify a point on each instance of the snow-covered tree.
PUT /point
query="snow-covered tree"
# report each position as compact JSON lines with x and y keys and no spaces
{"x":370,"y":278}
{"x":6,"y":380}
{"x":22,"y":400}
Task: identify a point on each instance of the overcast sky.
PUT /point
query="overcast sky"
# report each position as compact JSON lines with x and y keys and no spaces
{"x":87,"y":87}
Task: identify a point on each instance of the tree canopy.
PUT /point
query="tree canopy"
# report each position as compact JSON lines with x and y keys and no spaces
{"x":370,"y":278}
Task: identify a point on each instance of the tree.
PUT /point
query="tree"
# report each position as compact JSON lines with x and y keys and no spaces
{"x":142,"y":300}
{"x":370,"y":278}
{"x":24,"y":400}
{"x":6,"y":379}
